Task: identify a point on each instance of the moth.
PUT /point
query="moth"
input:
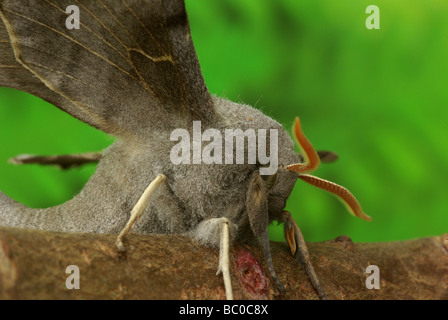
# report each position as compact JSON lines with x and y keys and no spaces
{"x":131,"y":70}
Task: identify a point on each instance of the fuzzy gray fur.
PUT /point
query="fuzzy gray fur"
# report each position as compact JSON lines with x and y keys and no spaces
{"x":191,"y":193}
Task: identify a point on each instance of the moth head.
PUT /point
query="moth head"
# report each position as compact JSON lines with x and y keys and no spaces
{"x":310,"y":163}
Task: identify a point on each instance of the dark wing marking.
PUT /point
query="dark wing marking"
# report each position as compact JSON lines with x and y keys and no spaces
{"x":131,"y":66}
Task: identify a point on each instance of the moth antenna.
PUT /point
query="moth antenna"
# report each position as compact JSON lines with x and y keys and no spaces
{"x":347,"y":198}
{"x":311,"y":158}
{"x":311,"y":162}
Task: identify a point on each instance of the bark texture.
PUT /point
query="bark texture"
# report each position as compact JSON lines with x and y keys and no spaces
{"x":33,"y":265}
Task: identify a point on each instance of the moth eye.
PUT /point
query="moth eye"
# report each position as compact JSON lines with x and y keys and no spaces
{"x":270,"y":180}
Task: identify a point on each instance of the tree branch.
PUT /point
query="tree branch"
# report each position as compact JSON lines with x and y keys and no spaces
{"x":33,"y":264}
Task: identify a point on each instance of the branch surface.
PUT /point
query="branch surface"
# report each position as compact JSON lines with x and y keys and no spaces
{"x":33,"y":264}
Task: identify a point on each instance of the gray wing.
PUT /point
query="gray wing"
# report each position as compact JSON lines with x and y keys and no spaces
{"x":130,"y":68}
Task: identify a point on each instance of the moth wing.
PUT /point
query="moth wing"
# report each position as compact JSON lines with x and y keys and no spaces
{"x":14,"y":75}
{"x":130,"y":67}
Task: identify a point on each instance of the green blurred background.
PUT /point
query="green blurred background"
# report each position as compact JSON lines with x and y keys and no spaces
{"x":376,"y":97}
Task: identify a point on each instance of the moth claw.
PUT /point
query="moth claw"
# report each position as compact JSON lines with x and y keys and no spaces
{"x":120,"y":246}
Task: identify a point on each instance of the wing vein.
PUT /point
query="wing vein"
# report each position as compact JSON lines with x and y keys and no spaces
{"x":144,"y":27}
{"x":74,"y":41}
{"x":124,"y":27}
{"x":10,"y":67}
{"x":184,"y":107}
{"x":93,"y":32}
{"x":103,"y":92}
{"x":103,"y":24}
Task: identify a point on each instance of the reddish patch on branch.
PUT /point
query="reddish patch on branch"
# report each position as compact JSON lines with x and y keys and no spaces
{"x":251,"y":274}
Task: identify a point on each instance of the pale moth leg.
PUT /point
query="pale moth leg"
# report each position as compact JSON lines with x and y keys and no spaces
{"x":224,"y":260}
{"x":138,"y":210}
{"x":209,"y":232}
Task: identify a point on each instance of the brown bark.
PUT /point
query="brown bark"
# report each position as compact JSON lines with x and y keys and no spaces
{"x":33,"y":264}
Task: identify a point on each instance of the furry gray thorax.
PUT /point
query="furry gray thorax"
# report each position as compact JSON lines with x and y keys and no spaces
{"x":190,"y":194}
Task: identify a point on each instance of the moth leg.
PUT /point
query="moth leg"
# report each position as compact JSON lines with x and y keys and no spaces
{"x":65,"y":161}
{"x":265,"y":245}
{"x":224,"y":260}
{"x":212,"y":231}
{"x":258,"y":214}
{"x":299,"y":250}
{"x":138,"y":210}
